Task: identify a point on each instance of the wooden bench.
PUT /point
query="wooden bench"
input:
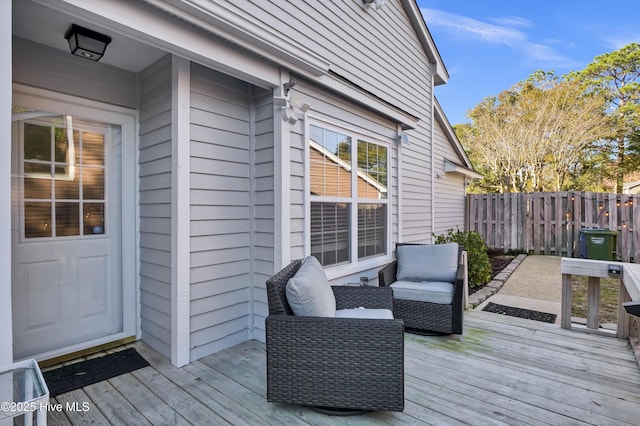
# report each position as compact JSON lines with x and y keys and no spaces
{"x":627,"y":327}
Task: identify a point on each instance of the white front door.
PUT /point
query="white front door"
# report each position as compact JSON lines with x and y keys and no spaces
{"x":67,"y":269}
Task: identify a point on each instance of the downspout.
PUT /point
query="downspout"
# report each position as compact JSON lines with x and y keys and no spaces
{"x":399,"y":180}
{"x":433,"y":155}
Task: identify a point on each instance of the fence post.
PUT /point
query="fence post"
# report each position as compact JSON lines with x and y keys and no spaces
{"x":636,"y":228}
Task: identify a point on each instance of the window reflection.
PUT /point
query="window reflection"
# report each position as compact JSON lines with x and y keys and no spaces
{"x":372,"y":170}
{"x":330,"y":163}
{"x":64,"y":167}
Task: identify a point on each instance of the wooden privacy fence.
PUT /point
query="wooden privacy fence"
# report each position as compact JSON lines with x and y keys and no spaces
{"x":549,"y":222}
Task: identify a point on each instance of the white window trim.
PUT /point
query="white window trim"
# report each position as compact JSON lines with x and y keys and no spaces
{"x":354,"y":266}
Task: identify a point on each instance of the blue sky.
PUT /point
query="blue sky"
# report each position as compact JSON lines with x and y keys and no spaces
{"x":490,"y":45}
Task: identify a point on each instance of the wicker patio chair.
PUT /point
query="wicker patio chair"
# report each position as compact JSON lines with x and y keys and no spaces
{"x":423,"y":316}
{"x":334,"y":363}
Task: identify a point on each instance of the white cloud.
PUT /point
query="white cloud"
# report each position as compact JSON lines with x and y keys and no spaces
{"x":543,"y":53}
{"x":513,"y":21}
{"x":506,"y":31}
{"x":477,"y":29}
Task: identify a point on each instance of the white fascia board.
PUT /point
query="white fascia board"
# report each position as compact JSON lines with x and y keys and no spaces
{"x":429,"y":46}
{"x":451,"y":167}
{"x":451,"y":134}
{"x":406,"y":120}
{"x":149,"y":25}
{"x":246,"y":32}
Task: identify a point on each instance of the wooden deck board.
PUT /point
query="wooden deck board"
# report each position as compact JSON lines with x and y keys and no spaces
{"x":501,"y":371}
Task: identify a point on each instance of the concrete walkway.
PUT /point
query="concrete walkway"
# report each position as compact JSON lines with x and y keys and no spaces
{"x":529,"y":282}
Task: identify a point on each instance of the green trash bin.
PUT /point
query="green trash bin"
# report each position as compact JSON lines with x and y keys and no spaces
{"x":601,"y":244}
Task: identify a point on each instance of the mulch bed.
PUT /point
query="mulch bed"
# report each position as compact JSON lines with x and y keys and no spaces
{"x":499,"y":262}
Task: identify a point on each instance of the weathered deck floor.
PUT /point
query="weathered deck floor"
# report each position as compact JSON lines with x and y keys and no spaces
{"x":503,"y":370}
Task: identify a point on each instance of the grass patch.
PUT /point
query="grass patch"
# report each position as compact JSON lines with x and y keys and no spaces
{"x":609,"y":288}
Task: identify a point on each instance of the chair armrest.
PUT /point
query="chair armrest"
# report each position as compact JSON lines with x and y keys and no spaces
{"x":387,"y":275}
{"x":348,"y":297}
{"x":457,"y":303}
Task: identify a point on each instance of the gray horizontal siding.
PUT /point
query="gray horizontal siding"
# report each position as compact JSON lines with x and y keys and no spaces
{"x":220,"y":211}
{"x":449,"y":187}
{"x":416,"y":185}
{"x":358,"y":44}
{"x":72,"y":75}
{"x":155,"y":205}
{"x":263,"y":205}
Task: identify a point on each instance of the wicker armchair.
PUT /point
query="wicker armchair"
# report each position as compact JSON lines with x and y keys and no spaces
{"x":427,"y":317}
{"x":334,"y":363}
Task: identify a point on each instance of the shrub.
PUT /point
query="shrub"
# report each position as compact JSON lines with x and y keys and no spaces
{"x":477,"y":256}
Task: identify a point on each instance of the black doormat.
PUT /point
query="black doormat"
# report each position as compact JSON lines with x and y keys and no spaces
{"x":85,"y":373}
{"x":520,"y":312}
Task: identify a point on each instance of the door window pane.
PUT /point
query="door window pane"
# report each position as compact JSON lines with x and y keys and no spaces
{"x":93,"y":217}
{"x":66,"y":146}
{"x":37,"y":219}
{"x":37,"y":188}
{"x":92,"y":148}
{"x":67,"y":188}
{"x":37,"y":142}
{"x":93,"y":184}
{"x":67,"y":219}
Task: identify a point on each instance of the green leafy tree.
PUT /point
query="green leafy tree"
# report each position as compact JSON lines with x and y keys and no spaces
{"x":616,"y":75}
{"x":531,"y":137}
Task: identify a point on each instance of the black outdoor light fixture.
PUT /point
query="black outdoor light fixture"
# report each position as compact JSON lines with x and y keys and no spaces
{"x":86,"y":43}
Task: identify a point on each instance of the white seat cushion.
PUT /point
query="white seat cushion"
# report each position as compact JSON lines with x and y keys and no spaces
{"x":427,"y":262}
{"x":309,"y":292}
{"x":364,"y":313}
{"x":423,"y":291}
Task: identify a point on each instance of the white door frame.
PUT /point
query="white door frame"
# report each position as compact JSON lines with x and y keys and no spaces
{"x":6,"y":326}
{"x":46,"y":100}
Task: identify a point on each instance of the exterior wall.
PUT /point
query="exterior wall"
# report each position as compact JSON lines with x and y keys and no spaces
{"x":262,"y":239}
{"x":347,"y":36}
{"x":155,"y":205}
{"x":449,"y":196}
{"x":72,"y":75}
{"x":221,"y":212}
{"x":416,"y":191}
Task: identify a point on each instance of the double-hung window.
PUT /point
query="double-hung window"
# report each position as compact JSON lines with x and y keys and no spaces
{"x":349,"y":198}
